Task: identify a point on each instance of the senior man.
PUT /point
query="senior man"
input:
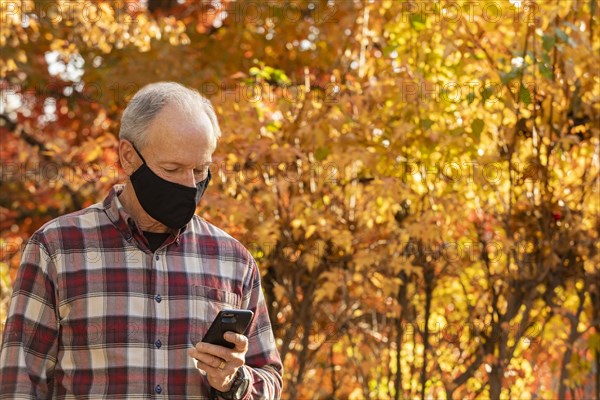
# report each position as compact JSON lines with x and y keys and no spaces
{"x":112,"y":301}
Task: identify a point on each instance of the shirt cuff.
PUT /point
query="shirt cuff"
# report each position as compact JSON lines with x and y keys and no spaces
{"x":250,"y":376}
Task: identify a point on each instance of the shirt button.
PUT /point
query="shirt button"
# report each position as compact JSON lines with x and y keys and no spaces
{"x":158,"y":298}
{"x":156,"y":257}
{"x":158,"y":343}
{"x":157,"y":389}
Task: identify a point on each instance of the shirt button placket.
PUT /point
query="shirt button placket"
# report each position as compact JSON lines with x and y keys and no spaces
{"x":158,"y":298}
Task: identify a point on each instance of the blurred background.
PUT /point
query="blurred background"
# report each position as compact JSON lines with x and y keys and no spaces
{"x":417,"y":180}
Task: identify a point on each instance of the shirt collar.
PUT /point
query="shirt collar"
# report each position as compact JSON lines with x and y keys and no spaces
{"x":121,"y":219}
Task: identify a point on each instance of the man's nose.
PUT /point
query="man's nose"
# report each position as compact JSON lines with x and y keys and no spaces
{"x":189,"y":179}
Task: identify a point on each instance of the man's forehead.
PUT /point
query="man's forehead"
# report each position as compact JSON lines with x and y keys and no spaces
{"x":173,"y":145}
{"x":181,"y":129}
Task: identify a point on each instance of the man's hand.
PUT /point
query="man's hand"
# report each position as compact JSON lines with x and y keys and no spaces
{"x":220,"y":363}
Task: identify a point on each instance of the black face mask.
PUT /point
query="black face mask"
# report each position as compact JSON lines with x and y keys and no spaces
{"x":167,"y":202}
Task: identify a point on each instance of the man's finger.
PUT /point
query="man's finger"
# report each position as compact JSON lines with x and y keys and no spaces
{"x":207,"y":359}
{"x":213,"y":349}
{"x":240,"y":341}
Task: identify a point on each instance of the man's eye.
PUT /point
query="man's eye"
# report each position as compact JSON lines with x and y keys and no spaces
{"x":170,"y":169}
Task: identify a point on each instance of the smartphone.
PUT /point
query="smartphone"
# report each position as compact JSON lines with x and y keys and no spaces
{"x":227,"y":321}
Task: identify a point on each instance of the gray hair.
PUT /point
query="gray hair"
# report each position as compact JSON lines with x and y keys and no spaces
{"x":151,"y":99}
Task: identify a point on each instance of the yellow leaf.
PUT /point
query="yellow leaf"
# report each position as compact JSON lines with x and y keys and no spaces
{"x":326,"y":290}
{"x":594,"y":342}
{"x":279,"y":292}
{"x":21,"y":56}
{"x":309,"y":231}
{"x":93,"y":154}
{"x":10,"y":65}
{"x":310,"y":261}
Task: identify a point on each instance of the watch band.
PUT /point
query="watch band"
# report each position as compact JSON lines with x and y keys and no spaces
{"x":239,"y":380}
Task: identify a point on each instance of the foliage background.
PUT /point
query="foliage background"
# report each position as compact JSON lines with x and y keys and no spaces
{"x":417,"y":180}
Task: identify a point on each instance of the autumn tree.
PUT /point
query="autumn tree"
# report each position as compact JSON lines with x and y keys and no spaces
{"x":417,"y":180}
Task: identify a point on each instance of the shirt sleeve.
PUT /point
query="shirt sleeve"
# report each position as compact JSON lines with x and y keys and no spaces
{"x":263,"y":362}
{"x":30,"y":339}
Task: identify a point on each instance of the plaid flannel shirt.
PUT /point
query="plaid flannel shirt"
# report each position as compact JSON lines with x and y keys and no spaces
{"x":96,"y":314}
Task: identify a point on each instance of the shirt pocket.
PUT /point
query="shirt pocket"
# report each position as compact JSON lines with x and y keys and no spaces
{"x":207,"y":302}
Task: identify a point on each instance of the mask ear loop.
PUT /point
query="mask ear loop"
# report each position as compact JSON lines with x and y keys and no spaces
{"x":138,"y":153}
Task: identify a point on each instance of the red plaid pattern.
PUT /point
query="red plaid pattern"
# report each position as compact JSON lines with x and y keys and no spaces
{"x":95,"y":314}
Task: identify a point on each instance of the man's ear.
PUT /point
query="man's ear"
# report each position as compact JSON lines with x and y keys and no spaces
{"x":128,"y":158}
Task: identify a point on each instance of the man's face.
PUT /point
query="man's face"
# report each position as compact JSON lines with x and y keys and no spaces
{"x":179,"y":148}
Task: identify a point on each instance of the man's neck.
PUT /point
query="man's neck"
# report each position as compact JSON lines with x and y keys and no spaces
{"x":133,"y":207}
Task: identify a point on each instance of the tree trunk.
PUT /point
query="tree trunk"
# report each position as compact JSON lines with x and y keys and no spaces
{"x":334,"y":382}
{"x":306,"y":315}
{"x":428,"y":291}
{"x":562,"y":388}
{"x":269,"y":291}
{"x":573,"y":335}
{"x":402,"y":301}
{"x":597,"y":374}
{"x":495,"y":381}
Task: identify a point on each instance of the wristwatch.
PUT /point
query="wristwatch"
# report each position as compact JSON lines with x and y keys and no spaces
{"x":238,"y":388}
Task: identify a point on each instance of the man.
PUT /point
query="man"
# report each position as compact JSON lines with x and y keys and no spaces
{"x":112,"y":301}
